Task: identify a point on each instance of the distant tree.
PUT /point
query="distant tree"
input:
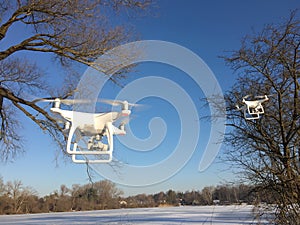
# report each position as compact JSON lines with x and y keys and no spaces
{"x":3,"y":198}
{"x":64,"y":190}
{"x":188,"y":198}
{"x":160,"y":198}
{"x":19,"y":195}
{"x":2,"y":186}
{"x":207,"y":195}
{"x":267,"y":150}
{"x":75,"y":195}
{"x":150,"y":201}
{"x":107,"y":194}
{"x":41,"y":206}
{"x":74,"y":33}
{"x":171,"y":197}
{"x":32,"y":204}
{"x":64,"y":200}
{"x":5,"y":204}
{"x":226,"y":194}
{"x":245,"y":193}
{"x":51,"y":201}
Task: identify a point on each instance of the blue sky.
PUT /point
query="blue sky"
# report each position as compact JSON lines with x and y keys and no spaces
{"x":208,"y":28}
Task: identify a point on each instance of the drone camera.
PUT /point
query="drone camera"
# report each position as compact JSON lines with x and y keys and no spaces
{"x":98,"y":137}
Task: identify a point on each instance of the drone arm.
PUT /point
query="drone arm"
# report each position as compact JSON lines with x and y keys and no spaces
{"x":238,"y":107}
{"x":119,"y":131}
{"x":71,"y":133}
{"x":110,"y":132}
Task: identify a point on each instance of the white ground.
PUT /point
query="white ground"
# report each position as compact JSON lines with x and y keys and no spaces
{"x":206,"y":215}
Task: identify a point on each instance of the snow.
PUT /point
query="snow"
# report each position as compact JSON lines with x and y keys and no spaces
{"x":212,"y":215}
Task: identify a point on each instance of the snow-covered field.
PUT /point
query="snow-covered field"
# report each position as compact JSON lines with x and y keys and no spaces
{"x":212,"y":215}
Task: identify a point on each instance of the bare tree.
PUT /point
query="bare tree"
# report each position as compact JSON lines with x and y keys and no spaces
{"x":75,"y":193}
{"x":107,"y":194}
{"x":19,"y":195}
{"x":267,"y":150}
{"x":207,"y":194}
{"x":73,"y":32}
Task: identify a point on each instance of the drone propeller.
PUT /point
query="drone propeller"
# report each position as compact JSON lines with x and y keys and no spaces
{"x":261,"y":96}
{"x":124,"y":104}
{"x":64,"y":101}
{"x":57,"y":101}
{"x":264,"y":96}
{"x":246,"y":96}
{"x":117,"y":102}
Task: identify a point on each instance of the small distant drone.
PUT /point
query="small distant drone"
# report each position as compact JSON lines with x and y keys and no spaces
{"x":94,"y":126}
{"x":253,"y":109}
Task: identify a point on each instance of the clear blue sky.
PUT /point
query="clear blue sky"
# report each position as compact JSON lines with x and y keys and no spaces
{"x":206,"y":27}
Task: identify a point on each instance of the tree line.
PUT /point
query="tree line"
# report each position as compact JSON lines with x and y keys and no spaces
{"x":15,"y":198}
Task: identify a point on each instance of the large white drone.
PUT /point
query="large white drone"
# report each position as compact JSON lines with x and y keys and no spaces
{"x":94,"y":126}
{"x":253,"y":109}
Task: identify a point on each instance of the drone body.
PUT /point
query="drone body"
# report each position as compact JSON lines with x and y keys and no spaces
{"x":87,"y":131}
{"x":253,"y":109}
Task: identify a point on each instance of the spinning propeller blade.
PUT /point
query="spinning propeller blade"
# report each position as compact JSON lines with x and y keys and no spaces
{"x":124,"y":104}
{"x":261,"y":96}
{"x":64,"y":101}
{"x":75,"y":101}
{"x":246,"y":96}
{"x":118,"y":102}
{"x":264,"y":96}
